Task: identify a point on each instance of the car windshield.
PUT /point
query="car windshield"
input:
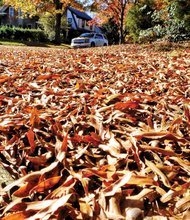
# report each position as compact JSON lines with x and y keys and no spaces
{"x":89,"y":35}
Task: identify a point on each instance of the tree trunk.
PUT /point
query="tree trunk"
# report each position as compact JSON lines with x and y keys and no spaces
{"x":121,"y":32}
{"x":58,"y":7}
{"x":123,"y":6}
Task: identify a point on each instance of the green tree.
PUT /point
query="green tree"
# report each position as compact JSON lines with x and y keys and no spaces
{"x":47,"y":22}
{"x":139,"y":17}
{"x":111,"y":30}
{"x":178,"y":25}
{"x":152,"y":19}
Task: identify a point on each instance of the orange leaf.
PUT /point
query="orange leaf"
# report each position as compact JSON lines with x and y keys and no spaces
{"x":34,"y":118}
{"x":4,"y":79}
{"x":90,"y":172}
{"x":30,"y":136}
{"x":43,"y":77}
{"x":95,"y":136}
{"x":77,"y":86}
{"x":64,"y":144}
{"x":91,"y":140}
{"x":126,"y":105}
{"x":44,"y":185}
{"x":23,"y":191}
{"x":41,"y":160}
{"x":15,"y":216}
{"x":76,"y":138}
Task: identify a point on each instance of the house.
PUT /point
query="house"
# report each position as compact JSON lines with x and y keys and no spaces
{"x":78,"y":20}
{"x":11,"y":17}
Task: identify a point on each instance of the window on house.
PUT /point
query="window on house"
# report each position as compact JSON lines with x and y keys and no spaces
{"x":19,"y":12}
{"x":83,"y":23}
{"x":11,"y":11}
{"x":69,"y":22}
{"x":29,"y":26}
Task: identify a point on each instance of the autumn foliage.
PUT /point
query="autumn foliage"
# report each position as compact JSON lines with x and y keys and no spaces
{"x":98,"y":133}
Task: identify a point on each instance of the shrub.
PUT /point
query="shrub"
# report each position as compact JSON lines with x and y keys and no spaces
{"x":178,"y":25}
{"x":151,"y":34}
{"x":147,"y":22}
{"x":8,"y":33}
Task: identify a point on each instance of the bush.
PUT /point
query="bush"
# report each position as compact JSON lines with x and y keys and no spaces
{"x":152,"y":34}
{"x":147,"y":22}
{"x":178,"y":25}
{"x":21,"y":34}
{"x":6,"y":32}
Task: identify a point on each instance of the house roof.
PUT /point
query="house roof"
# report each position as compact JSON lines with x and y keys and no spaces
{"x":80,"y":14}
{"x":3,"y":9}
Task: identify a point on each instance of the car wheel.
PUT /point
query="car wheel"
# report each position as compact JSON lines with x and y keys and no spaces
{"x":92,"y":44}
{"x":105,"y":44}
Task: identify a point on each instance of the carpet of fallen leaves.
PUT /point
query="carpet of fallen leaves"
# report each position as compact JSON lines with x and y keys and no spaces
{"x":100,"y":133}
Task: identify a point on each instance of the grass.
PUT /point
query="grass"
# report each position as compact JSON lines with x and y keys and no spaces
{"x":33,"y":44}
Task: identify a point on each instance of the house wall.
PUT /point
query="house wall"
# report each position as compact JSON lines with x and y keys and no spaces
{"x":70,"y":20}
{"x":14,"y":20}
{"x":79,"y":24}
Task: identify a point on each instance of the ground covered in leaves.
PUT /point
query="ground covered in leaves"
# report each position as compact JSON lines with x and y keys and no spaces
{"x":100,"y":133}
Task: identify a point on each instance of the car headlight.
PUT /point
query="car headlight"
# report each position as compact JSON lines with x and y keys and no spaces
{"x":86,"y":40}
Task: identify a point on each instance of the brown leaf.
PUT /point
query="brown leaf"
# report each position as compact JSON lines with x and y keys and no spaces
{"x":23,"y":191}
{"x":46,"y":184}
{"x":64,"y":143}
{"x":122,"y":106}
{"x":34,"y":118}
{"x":156,"y":170}
{"x":111,"y":190}
{"x":30,"y":135}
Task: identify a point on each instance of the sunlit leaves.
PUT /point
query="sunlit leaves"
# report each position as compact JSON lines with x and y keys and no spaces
{"x":97,"y":132}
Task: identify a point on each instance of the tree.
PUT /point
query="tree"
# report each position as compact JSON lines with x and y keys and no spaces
{"x":116,"y":10}
{"x":40,"y":6}
{"x":149,"y":20}
{"x":139,"y":17}
{"x":178,"y":25}
{"x":111,"y":30}
{"x":47,"y":22}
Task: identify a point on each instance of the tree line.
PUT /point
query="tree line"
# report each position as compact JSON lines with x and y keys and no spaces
{"x":121,"y":20}
{"x":145,"y":20}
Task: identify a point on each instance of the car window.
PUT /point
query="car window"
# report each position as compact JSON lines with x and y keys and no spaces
{"x":99,"y":36}
{"x":89,"y":35}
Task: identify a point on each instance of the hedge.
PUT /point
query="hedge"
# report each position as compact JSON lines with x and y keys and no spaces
{"x":21,"y":34}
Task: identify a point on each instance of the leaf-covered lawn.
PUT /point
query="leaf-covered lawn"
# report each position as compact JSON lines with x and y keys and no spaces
{"x":101,"y":133}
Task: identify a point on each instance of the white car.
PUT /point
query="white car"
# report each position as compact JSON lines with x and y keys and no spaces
{"x":89,"y":40}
